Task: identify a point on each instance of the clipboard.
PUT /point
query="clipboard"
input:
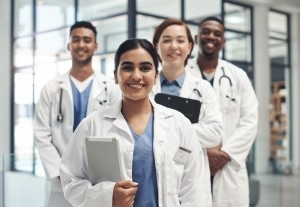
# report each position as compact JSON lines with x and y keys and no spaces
{"x":103,"y":159}
{"x":188,"y":107}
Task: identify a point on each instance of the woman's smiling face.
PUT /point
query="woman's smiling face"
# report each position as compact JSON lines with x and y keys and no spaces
{"x":136,"y":74}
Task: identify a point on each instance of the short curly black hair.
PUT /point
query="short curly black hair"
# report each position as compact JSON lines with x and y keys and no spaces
{"x":84,"y":24}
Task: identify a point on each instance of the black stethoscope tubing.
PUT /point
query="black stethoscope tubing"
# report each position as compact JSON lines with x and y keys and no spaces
{"x":230,"y":83}
{"x":60,"y":115}
{"x":226,"y":77}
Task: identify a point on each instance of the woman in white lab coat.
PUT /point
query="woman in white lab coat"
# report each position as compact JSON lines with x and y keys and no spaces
{"x":174,"y":43}
{"x":151,"y":176}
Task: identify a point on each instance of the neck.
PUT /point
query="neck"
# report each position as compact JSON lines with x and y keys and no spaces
{"x":207,"y":65}
{"x":132,"y":108}
{"x":81,"y":73}
{"x":172,"y":73}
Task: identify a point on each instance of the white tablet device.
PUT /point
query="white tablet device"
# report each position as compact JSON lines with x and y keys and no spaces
{"x":103,"y":159}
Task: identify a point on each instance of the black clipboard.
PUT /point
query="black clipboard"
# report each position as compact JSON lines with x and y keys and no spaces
{"x":103,"y":159}
{"x":188,"y":107}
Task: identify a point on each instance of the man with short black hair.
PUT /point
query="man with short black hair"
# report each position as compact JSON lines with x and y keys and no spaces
{"x":239,"y":107}
{"x":65,"y":101}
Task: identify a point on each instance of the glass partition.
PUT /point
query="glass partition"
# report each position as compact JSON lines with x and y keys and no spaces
{"x":23,"y":52}
{"x":23,"y":21}
{"x":164,"y":8}
{"x":54,"y":14}
{"x":238,"y":47}
{"x":23,"y":129}
{"x":92,"y":9}
{"x":196,"y":10}
{"x":110,"y":33}
{"x":51,"y":46}
{"x":280,"y":115}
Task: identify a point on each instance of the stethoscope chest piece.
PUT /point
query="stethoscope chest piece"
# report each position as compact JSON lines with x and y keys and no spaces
{"x":60,"y":118}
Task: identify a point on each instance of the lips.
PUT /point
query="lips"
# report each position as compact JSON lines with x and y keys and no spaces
{"x":173,"y":55}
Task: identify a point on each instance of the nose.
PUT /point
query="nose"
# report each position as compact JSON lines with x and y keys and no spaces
{"x":81,"y":43}
{"x":136,"y":74}
{"x":211,"y":35}
{"x":173,"y":45}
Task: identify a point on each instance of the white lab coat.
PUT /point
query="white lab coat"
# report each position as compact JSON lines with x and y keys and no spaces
{"x":51,"y":136}
{"x":209,"y":128}
{"x":178,"y":184}
{"x":240,"y":119}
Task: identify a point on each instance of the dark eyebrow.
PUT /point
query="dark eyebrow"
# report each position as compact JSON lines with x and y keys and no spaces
{"x":77,"y":36}
{"x":142,"y":63}
{"x":126,"y":62}
{"x":146,"y":63}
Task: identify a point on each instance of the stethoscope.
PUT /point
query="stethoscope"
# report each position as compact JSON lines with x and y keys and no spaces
{"x":231,"y":98}
{"x":60,"y":116}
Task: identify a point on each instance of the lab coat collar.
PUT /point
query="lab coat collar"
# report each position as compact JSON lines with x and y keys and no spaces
{"x":114,"y":111}
{"x":64,"y":81}
{"x":99,"y":83}
{"x":160,"y":115}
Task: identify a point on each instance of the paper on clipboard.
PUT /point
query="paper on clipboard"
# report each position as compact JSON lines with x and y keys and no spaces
{"x":103,"y":159}
{"x":188,"y":107}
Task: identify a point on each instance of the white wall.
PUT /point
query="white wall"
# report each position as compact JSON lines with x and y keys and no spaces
{"x":4,"y":85}
{"x":295,"y":70}
{"x":262,"y":85}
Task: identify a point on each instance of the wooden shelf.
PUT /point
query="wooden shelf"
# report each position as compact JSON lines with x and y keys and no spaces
{"x":277,"y":122}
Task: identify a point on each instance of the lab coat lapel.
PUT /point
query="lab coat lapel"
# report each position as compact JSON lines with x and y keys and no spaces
{"x":187,"y":87}
{"x":161,"y":126}
{"x":218,"y":74}
{"x":119,"y":122}
{"x":64,"y":83}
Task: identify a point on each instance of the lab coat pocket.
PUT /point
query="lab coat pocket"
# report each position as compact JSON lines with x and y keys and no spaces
{"x":173,"y":176}
{"x":230,"y":101}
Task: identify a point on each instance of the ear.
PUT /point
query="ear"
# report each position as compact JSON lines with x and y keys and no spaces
{"x":68,"y":46}
{"x":155,"y":79}
{"x":96,"y":46}
{"x":196,"y":39}
{"x":116,"y":78}
{"x":190,"y":48}
{"x":223,"y":43}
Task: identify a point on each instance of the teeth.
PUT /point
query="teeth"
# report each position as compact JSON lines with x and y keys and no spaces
{"x":210,"y":44}
{"x":136,"y":85}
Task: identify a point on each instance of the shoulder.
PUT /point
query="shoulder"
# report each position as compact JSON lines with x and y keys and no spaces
{"x":200,"y":83}
{"x":234,"y":68}
{"x":53,"y":84}
{"x":101,"y":77}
